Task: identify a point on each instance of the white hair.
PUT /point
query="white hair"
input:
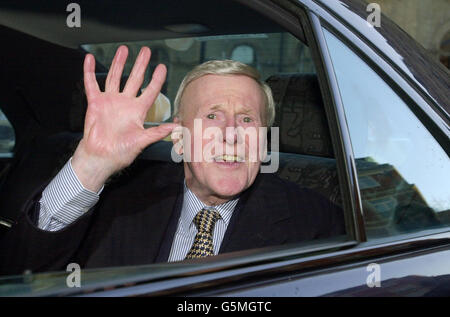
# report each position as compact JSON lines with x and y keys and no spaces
{"x":228,"y":67}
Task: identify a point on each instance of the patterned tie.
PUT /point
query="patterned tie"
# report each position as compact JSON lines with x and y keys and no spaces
{"x":203,"y":242}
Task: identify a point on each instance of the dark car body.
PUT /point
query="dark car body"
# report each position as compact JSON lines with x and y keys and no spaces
{"x":410,"y":264}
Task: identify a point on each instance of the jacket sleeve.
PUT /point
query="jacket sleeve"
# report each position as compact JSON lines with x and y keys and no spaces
{"x":26,"y":247}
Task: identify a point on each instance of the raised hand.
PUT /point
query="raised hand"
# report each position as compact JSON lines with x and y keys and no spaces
{"x":114,"y":134}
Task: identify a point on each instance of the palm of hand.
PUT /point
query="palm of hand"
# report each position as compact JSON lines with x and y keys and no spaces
{"x":114,"y":127}
{"x":113,"y":131}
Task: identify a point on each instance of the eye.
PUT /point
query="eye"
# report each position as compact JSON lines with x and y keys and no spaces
{"x":247,"y":119}
{"x":211,"y":116}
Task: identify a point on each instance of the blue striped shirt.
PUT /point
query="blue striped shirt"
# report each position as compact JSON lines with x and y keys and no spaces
{"x":65,"y":199}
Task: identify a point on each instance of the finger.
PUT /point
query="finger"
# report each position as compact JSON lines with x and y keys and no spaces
{"x":136,"y":78}
{"x":115,"y":72}
{"x":90,"y":82}
{"x":152,"y":135}
{"x":150,"y":93}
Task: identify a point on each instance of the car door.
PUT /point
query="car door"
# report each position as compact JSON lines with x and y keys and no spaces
{"x":400,"y":164}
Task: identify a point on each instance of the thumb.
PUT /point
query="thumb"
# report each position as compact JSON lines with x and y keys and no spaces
{"x":154,"y":134}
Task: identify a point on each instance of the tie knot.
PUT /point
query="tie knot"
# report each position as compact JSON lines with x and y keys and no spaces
{"x":206,"y":219}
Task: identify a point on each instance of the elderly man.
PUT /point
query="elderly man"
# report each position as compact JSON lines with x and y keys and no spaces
{"x":163,"y":211}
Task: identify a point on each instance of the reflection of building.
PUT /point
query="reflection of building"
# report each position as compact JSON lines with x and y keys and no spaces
{"x":428,"y":22}
{"x":391,"y":204}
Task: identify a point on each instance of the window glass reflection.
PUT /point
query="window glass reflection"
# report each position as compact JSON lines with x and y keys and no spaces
{"x":403,"y":172}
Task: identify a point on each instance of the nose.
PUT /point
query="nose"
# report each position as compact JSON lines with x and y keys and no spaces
{"x":230,"y":131}
{"x":230,"y":135}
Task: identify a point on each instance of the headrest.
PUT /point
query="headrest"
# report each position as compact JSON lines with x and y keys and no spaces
{"x":300,"y":115}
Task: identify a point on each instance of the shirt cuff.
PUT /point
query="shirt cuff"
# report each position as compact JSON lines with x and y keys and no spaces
{"x":65,"y":197}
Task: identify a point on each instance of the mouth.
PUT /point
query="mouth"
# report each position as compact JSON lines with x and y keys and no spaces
{"x":229,"y":159}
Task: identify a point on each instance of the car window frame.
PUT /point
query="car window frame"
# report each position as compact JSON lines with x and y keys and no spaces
{"x":422,"y":107}
{"x":340,"y":137}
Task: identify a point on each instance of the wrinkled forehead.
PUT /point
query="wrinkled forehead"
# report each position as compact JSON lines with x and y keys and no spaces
{"x":214,"y":90}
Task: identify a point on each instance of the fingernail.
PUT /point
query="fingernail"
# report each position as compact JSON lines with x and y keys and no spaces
{"x":141,"y":53}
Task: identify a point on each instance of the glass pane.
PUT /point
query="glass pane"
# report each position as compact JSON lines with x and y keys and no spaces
{"x":304,"y":146}
{"x":269,"y":53}
{"x":244,"y":54}
{"x":403,"y":172}
{"x":7,"y":137}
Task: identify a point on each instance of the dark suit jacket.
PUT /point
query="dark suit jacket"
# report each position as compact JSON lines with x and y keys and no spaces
{"x":135,"y":220}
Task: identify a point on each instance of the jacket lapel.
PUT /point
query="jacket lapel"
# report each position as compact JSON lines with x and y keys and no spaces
{"x":259,"y":218}
{"x":161,"y":218}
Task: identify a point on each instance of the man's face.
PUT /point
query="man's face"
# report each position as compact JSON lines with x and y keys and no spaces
{"x":228,"y":104}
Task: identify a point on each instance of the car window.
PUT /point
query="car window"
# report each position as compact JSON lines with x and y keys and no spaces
{"x":403,"y":172}
{"x":7,"y":136}
{"x":303,"y":145}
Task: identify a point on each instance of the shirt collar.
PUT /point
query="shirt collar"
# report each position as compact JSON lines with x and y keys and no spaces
{"x":192,"y":205}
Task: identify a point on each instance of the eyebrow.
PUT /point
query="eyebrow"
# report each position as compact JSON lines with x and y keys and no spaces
{"x":246,"y":109}
{"x":217,"y":107}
